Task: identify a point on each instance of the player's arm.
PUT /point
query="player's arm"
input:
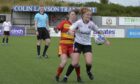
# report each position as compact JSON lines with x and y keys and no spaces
{"x":73,"y":28}
{"x":10,"y":25}
{"x":35,"y":20}
{"x":59,"y":27}
{"x":3,"y":26}
{"x":47,"y":23}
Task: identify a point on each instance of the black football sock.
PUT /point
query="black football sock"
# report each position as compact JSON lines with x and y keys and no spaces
{"x":3,"y":40}
{"x":38,"y":49}
{"x":7,"y":40}
{"x":45,"y":50}
{"x":88,"y":67}
{"x":69,"y":70}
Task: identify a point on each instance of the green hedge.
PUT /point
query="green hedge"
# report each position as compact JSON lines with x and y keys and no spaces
{"x":102,"y":9}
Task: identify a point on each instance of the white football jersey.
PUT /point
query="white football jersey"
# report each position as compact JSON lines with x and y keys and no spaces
{"x":6,"y":26}
{"x":83,"y":31}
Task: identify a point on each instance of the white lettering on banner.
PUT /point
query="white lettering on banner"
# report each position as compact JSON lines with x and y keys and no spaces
{"x":111,"y":21}
{"x":52,"y":9}
{"x":48,"y":8}
{"x":14,"y":31}
{"x":26,"y":8}
{"x":129,"y":21}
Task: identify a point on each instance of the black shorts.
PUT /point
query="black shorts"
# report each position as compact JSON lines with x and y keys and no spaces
{"x":43,"y":33}
{"x":78,"y":48}
{"x":7,"y":33}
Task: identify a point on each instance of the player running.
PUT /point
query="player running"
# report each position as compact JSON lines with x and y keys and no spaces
{"x":66,"y":44}
{"x":82,"y":30}
{"x":42,"y":31}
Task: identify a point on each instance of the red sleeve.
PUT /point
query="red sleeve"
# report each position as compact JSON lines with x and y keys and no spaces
{"x":60,"y":25}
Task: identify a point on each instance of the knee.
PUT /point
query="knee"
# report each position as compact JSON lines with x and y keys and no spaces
{"x":63,"y":63}
{"x":76,"y":65}
{"x":48,"y":41}
{"x":89,"y":62}
{"x":38,"y":42}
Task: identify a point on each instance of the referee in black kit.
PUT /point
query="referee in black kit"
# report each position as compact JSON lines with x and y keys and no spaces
{"x":42,"y":31}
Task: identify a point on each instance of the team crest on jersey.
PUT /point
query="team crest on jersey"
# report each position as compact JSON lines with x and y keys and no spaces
{"x":89,"y":27}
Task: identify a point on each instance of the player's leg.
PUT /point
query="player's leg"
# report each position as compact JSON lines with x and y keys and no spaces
{"x":3,"y":40}
{"x":75,"y":61}
{"x":7,"y":37}
{"x":77,"y":68}
{"x":46,"y":37}
{"x":62,"y":51}
{"x":39,"y":42}
{"x":88,"y":58}
{"x":38,"y":47}
{"x":62,"y":64}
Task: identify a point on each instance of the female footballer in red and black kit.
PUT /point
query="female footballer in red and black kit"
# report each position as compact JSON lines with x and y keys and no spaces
{"x":66,"y":44}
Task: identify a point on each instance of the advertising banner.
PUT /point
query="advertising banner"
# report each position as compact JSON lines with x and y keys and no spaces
{"x":113,"y":33}
{"x":129,"y":21}
{"x":53,"y":34}
{"x":109,"y":21}
{"x":133,"y":33}
{"x":48,"y":9}
{"x":15,"y":31}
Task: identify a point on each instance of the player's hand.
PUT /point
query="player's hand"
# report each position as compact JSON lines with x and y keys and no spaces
{"x":55,"y":29}
{"x":37,"y":33}
{"x":49,"y":30}
{"x":107,"y":43}
{"x":71,"y":32}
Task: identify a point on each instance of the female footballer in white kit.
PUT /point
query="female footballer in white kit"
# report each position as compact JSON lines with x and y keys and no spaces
{"x":6,"y":28}
{"x":82,"y":31}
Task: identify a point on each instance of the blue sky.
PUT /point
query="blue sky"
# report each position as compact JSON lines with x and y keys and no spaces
{"x":122,"y":2}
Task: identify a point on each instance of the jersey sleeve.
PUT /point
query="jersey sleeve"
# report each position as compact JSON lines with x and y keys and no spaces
{"x":3,"y":24}
{"x":60,"y":25}
{"x":74,"y":26}
{"x":10,"y":24}
{"x":95,"y":27}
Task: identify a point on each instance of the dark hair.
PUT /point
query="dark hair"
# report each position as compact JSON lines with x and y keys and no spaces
{"x":76,"y":11}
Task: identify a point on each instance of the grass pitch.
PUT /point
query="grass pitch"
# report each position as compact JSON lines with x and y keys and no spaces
{"x":115,"y":64}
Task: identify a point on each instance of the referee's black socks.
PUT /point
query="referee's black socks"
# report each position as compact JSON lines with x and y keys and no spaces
{"x":38,"y":49}
{"x":45,"y":50}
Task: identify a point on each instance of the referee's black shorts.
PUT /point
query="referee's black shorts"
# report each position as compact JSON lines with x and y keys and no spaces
{"x":43,"y":33}
{"x":78,"y":48}
{"x":7,"y":33}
